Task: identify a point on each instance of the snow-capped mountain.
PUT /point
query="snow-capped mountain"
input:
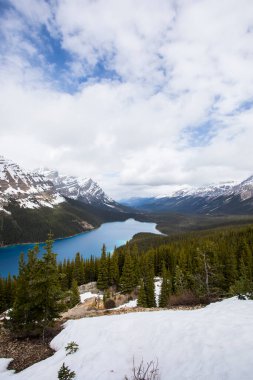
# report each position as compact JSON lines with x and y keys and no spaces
{"x":209,"y":191}
{"x":82,"y":189}
{"x":222,"y":198}
{"x":29,"y":190}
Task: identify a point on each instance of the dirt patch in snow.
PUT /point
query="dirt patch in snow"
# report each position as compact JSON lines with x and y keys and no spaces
{"x":24,"y":352}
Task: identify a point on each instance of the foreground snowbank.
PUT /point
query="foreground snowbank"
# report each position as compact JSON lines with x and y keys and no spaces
{"x":206,"y":344}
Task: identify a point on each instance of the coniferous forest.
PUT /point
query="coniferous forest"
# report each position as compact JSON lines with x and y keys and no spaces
{"x":195,"y":268}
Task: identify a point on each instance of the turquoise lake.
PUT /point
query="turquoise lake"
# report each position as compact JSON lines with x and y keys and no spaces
{"x":87,"y":243}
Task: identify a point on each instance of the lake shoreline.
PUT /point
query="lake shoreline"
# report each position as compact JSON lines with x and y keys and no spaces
{"x":87,"y":243}
{"x":79,"y":233}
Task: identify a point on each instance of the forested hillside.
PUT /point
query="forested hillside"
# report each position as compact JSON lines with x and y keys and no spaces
{"x":71,"y":217}
{"x":195,"y":267}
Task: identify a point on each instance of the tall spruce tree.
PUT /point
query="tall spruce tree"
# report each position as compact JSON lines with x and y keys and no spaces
{"x":142,"y":298}
{"x":103,"y":272}
{"x":74,"y":294}
{"x":47,"y":288}
{"x":149,"y":281}
{"x":38,"y":292}
{"x":128,"y":278}
{"x":165,"y":288}
{"x":114,"y":270}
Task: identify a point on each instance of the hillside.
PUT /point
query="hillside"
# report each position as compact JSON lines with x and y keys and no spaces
{"x":210,"y":343}
{"x":68,"y":218}
{"x":229,"y":198}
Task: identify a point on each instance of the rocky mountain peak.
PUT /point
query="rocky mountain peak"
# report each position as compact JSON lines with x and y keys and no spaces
{"x":30,"y":190}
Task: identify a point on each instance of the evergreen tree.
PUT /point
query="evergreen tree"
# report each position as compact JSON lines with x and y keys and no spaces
{"x":47,"y":288}
{"x":78,"y":272}
{"x":180,"y":284}
{"x":128,"y":278}
{"x":3,"y":304}
{"x":38,"y":292}
{"x":149,"y":281}
{"x":21,"y":315}
{"x":74,"y":294}
{"x":103,"y":275}
{"x":142,"y":298}
{"x":65,"y":373}
{"x":165,"y":288}
{"x":114,"y":270}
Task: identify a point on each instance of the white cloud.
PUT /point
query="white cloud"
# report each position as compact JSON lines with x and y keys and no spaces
{"x":178,"y":66}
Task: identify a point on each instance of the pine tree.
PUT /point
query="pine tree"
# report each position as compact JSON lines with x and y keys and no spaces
{"x":179,"y":281}
{"x":74,"y":294}
{"x":38,"y":292}
{"x":65,"y":373}
{"x":114,"y":270}
{"x":47,"y":288}
{"x":78,"y":272}
{"x":128,"y":278}
{"x":3,"y":305}
{"x":149,"y":281}
{"x":103,"y":275}
{"x":165,"y":288}
{"x":142,"y":298}
{"x":21,"y":315}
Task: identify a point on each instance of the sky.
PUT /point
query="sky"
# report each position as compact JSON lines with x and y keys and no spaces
{"x":140,"y":95}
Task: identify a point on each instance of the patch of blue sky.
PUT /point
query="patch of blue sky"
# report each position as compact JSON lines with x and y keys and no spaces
{"x":244,"y":106}
{"x":53,"y":51}
{"x":101,"y":71}
{"x":200,"y":135}
{"x":55,"y":61}
{"x":4,"y":6}
{"x":61,"y":60}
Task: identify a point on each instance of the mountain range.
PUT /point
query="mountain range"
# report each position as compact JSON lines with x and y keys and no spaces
{"x":34,"y":203}
{"x":215,"y":199}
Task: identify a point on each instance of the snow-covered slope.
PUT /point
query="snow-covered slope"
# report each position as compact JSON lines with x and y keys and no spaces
{"x":213,"y":343}
{"x":30,"y":190}
{"x":82,"y":189}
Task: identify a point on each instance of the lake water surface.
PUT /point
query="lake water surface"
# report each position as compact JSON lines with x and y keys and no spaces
{"x":87,"y":243}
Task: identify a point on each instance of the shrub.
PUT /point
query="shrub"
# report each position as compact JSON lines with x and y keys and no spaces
{"x":150,"y":371}
{"x":110,"y":304}
{"x":64,"y":373}
{"x":71,"y":348}
{"x":187,"y":298}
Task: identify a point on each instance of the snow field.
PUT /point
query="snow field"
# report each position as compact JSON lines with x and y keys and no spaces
{"x":213,"y":343}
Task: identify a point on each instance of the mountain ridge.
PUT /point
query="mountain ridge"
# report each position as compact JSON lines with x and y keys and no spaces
{"x":224,"y":198}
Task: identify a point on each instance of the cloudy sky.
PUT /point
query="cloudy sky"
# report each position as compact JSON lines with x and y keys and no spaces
{"x":141,"y":95}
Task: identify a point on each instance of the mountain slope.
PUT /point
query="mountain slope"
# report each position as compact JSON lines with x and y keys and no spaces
{"x":225,"y":198}
{"x":31,"y":205}
{"x":29,"y":190}
{"x":68,"y":218}
{"x":82,"y":189}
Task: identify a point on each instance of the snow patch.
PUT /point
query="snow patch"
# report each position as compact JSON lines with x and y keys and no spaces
{"x":129,"y":304}
{"x":87,"y":295}
{"x":158,"y":284}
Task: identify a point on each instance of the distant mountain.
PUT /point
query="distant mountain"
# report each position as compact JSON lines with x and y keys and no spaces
{"x":34,"y":203}
{"x":82,"y":189}
{"x":214,"y":199}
